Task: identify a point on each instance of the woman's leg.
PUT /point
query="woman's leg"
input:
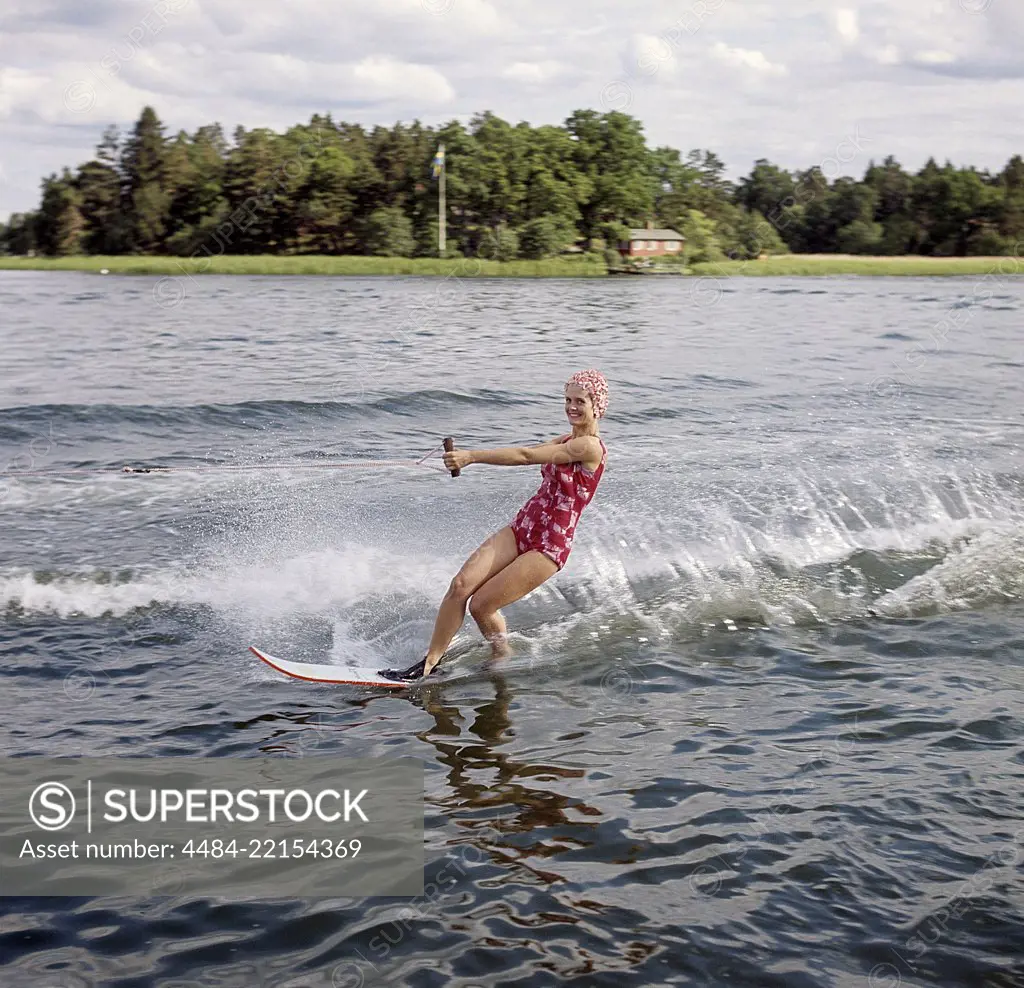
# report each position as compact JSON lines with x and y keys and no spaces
{"x":525,"y":573}
{"x":493,"y":556}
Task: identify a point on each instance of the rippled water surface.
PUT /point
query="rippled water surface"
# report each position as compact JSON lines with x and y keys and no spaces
{"x":764,"y":729}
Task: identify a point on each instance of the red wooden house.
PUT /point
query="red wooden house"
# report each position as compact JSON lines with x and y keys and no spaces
{"x":649,"y":242}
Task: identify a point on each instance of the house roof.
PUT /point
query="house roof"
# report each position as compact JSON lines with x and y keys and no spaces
{"x":655,"y":235}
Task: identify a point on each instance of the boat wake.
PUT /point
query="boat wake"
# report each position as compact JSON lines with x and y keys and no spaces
{"x":368,"y":594}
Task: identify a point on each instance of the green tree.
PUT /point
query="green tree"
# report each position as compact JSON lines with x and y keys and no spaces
{"x":143,"y":166}
{"x":900,"y":235}
{"x":365,"y":182}
{"x":545,"y":236}
{"x":850,"y":201}
{"x":813,"y":228}
{"x":672,"y":180}
{"x":61,"y":226}
{"x":614,"y":233}
{"x":708,"y":191}
{"x":893,"y":188}
{"x":553,"y":183}
{"x":258,"y":180}
{"x":749,"y":235}
{"x":20,"y":234}
{"x":389,"y":233}
{"x":613,"y":259}
{"x":326,"y":205}
{"x":100,"y":184}
{"x":194,"y":172}
{"x":894,"y":209}
{"x":500,"y":244}
{"x":985,"y":240}
{"x":946,"y":202}
{"x":495,"y":176}
{"x":767,"y":190}
{"x":702,"y":243}
{"x":860,"y":237}
{"x":611,"y":155}
{"x":100,"y":190}
{"x":1010,"y":213}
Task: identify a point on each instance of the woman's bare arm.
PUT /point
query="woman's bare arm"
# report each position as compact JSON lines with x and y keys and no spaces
{"x":585,"y":449}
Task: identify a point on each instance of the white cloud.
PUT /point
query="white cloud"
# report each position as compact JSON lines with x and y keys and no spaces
{"x":388,"y":78}
{"x":748,"y":59}
{"x":649,"y":54}
{"x":888,"y":55}
{"x":478,"y":16}
{"x":18,"y":86}
{"x":475,"y":15}
{"x":846,"y":25}
{"x":531,"y":73}
{"x":940,"y":37}
{"x":935,"y":57}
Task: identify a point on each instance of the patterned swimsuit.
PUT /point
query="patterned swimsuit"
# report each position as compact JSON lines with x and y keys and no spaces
{"x":547,"y":522}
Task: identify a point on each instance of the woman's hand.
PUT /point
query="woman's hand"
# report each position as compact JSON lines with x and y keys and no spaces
{"x":456,"y":459}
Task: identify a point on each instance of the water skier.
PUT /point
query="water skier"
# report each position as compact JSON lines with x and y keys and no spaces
{"x":535,"y":546}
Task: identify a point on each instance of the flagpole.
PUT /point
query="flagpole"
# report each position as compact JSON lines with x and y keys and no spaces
{"x":441,"y":212}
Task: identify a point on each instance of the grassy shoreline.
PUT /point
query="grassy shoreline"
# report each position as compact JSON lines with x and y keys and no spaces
{"x":314,"y":264}
{"x":592,"y":265}
{"x":800,"y":265}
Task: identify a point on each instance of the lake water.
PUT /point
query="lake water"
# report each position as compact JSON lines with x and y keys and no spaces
{"x":765,"y":728}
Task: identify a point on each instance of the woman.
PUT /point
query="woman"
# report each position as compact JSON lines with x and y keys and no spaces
{"x":521,"y":556}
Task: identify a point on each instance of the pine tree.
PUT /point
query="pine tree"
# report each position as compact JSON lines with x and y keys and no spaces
{"x":61,"y":225}
{"x":1011,"y":212}
{"x":19,"y":237}
{"x":100,"y":185}
{"x":144,"y":163}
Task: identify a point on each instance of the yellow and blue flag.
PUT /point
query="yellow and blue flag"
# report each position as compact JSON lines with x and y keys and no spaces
{"x":438,"y":162}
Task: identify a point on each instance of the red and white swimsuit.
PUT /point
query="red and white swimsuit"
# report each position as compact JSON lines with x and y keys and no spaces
{"x":547,"y":522}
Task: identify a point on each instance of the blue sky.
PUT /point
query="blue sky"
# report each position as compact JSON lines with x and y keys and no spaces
{"x":801,"y":82}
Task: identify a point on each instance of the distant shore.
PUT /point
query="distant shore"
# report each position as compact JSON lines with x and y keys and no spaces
{"x":581,"y":265}
{"x":791,"y":265}
{"x":586,"y":265}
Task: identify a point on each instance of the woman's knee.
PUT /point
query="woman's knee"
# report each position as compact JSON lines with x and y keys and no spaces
{"x":460,"y":589}
{"x":479,"y":608}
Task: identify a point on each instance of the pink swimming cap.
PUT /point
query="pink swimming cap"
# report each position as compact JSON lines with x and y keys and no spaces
{"x":593,"y":382}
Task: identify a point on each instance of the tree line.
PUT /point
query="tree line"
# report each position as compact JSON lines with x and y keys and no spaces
{"x":328,"y":187}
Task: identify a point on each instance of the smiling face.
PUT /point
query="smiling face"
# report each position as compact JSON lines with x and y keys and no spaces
{"x":579,"y":409}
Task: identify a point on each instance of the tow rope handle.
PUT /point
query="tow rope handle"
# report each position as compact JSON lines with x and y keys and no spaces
{"x":449,"y":445}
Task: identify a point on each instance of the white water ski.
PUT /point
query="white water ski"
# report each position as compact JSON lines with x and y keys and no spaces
{"x":314,"y":673}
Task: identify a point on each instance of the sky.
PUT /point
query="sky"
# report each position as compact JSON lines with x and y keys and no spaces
{"x":800,"y":82}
